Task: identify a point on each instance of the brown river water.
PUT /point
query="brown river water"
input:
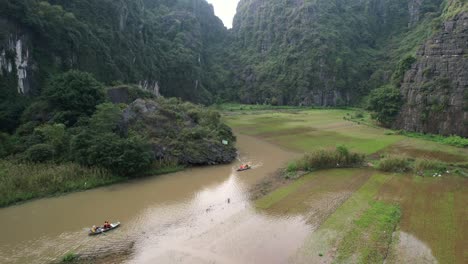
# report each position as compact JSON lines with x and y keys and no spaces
{"x":183,"y":217}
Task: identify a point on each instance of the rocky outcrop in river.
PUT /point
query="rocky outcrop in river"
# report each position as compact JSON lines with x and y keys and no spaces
{"x":435,"y":89}
{"x":181,"y":132}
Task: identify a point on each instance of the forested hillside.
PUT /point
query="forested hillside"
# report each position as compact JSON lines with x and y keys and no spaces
{"x":324,"y":52}
{"x":168,"y":47}
{"x":79,"y":88}
{"x":280,"y":52}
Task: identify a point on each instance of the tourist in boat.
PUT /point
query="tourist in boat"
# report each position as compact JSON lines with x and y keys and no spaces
{"x":107,"y":225}
{"x":94,"y":229}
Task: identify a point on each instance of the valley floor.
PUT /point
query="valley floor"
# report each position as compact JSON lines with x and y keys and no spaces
{"x":363,"y":215}
{"x":218,"y":215}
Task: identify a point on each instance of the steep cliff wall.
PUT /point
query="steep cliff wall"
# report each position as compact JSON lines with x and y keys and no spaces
{"x":168,"y":47}
{"x":15,"y":55}
{"x":318,"y":52}
{"x":435,"y":90}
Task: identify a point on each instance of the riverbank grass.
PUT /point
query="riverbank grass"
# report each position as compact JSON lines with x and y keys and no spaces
{"x":69,"y":257}
{"x":20,"y":182}
{"x":25,"y":181}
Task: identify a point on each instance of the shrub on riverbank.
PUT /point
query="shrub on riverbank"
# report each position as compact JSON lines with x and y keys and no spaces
{"x":69,"y":257}
{"x":424,"y":164}
{"x":24,"y":181}
{"x":394,"y":164}
{"x":341,"y":157}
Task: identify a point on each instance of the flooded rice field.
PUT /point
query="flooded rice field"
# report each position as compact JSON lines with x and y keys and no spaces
{"x":434,"y":216}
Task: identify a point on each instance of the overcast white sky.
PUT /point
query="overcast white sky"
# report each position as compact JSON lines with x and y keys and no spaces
{"x":225,"y":9}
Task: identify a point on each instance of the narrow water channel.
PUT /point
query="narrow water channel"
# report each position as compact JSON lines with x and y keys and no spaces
{"x":183,"y":217}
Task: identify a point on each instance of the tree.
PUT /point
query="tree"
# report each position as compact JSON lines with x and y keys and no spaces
{"x":4,"y":144}
{"x":385,"y":103}
{"x":40,"y":153}
{"x":403,"y":66}
{"x":54,"y":135}
{"x":122,"y":156}
{"x":73,"y":94}
{"x":106,"y":118}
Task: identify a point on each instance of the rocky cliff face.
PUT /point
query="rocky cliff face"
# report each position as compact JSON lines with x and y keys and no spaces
{"x":435,"y":90}
{"x":316,"y":52}
{"x":414,"y":7}
{"x":167,"y":47}
{"x":15,"y":55}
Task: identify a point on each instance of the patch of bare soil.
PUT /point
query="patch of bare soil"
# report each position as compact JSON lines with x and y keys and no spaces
{"x":320,"y":196}
{"x":268,"y":184}
{"x":325,"y":205}
{"x":339,"y":125}
{"x":105,"y":254}
{"x":292,"y":131}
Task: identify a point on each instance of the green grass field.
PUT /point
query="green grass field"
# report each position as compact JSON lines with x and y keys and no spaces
{"x":355,"y":212}
{"x":305,"y":130}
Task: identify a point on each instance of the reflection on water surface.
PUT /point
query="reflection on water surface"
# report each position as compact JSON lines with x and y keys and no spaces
{"x":183,"y":217}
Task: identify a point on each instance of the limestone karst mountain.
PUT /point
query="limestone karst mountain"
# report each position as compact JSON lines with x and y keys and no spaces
{"x":287,"y":52}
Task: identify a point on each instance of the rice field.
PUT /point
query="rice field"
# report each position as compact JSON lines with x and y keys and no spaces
{"x":362,"y":215}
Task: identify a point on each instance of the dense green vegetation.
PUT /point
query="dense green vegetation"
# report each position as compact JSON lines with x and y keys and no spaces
{"x":326,"y":52}
{"x":69,"y":257}
{"x":176,"y":44}
{"x":72,"y":138}
{"x":323,"y":53}
{"x":71,"y":122}
{"x":385,"y":103}
{"x":278,"y":53}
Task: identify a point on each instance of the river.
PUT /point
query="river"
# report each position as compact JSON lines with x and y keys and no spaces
{"x":183,"y":217}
